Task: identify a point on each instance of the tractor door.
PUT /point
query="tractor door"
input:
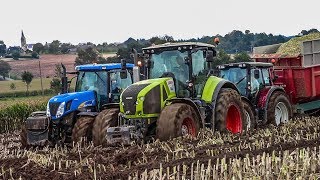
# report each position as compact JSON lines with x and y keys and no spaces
{"x":260,"y":80}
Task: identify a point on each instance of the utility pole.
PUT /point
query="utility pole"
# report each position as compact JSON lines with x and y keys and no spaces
{"x":41,"y":78}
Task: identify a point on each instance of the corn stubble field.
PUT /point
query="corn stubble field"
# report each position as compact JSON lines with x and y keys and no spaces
{"x":285,"y":152}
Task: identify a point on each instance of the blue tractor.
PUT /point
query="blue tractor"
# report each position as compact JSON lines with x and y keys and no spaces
{"x":71,"y":116}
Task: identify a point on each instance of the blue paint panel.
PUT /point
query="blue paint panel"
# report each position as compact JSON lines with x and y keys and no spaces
{"x":77,"y":98}
{"x":97,"y":67}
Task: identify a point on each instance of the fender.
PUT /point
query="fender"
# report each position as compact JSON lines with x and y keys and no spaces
{"x":110,"y":105}
{"x":263,"y":100}
{"x":212,"y":88}
{"x":192,"y":104}
{"x":93,"y":114}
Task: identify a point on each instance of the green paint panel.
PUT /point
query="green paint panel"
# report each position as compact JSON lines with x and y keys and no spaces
{"x":209,"y":88}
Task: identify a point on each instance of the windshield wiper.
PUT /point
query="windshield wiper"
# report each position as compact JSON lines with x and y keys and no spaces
{"x":240,"y":80}
{"x":100,"y":77}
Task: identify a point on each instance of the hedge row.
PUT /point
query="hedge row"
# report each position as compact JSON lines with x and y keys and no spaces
{"x":24,"y":93}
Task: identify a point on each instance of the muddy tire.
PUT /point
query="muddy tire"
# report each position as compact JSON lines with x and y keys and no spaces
{"x":228,"y":113}
{"x":177,"y":120}
{"x":106,"y":118}
{"x":83,"y":128}
{"x":249,"y":116}
{"x":279,"y":110}
{"x":23,"y":137}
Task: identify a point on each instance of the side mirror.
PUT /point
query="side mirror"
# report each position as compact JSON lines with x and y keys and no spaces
{"x":123,"y":64}
{"x":209,"y":56}
{"x":256,"y":73}
{"x":123,"y":74}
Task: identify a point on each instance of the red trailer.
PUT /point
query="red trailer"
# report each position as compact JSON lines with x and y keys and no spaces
{"x":298,"y":74}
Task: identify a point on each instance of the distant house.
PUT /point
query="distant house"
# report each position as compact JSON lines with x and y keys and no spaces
{"x":30,"y":47}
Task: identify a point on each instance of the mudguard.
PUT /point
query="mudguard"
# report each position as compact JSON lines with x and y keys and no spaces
{"x":263,"y":100}
{"x":192,"y":104}
{"x":212,"y":88}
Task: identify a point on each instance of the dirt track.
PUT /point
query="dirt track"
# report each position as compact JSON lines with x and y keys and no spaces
{"x":282,"y":145}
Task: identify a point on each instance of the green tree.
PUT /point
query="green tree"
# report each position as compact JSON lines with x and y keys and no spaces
{"x":38,"y":47}
{"x":65,"y":47}
{"x":12,"y":86}
{"x":54,"y":47}
{"x":3,"y":48}
{"x":4,"y":68}
{"x":16,"y":55}
{"x":222,"y":58}
{"x":27,"y":78}
{"x":55,"y":83}
{"x":88,"y":55}
{"x":242,"y":57}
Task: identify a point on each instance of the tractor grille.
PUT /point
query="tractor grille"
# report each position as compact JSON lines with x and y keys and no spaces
{"x":152,"y":102}
{"x":53,"y":108}
{"x":129,"y":98}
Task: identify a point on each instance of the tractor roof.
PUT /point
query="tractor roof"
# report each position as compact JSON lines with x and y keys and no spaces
{"x":175,"y":46}
{"x":97,"y":67}
{"x":246,"y":64}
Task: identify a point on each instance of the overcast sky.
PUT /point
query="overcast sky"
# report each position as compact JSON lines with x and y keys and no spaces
{"x":109,"y":21}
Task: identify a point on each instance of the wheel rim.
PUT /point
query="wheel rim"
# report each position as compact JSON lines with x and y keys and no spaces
{"x":188,"y":127}
{"x":248,"y":119}
{"x":281,"y":113}
{"x":234,"y":123}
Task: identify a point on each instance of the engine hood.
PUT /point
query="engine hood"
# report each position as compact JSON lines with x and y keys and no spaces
{"x":146,"y":98}
{"x":77,"y":101}
{"x":75,"y":96}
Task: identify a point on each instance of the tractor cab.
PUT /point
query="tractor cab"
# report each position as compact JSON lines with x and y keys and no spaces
{"x":249,"y":77}
{"x":187,"y":63}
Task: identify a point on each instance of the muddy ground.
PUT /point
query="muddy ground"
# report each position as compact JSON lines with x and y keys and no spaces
{"x":88,"y":162}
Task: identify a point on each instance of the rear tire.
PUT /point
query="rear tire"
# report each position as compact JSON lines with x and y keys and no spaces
{"x":249,"y":116}
{"x":105,"y":119}
{"x":279,"y":109}
{"x":177,"y":120}
{"x":229,"y":110}
{"x":83,"y":128}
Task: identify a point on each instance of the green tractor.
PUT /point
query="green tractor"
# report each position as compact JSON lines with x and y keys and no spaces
{"x":179,"y":96}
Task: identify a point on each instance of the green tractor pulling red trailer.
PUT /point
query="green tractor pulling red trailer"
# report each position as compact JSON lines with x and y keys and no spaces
{"x":179,"y":97}
{"x":286,"y":84}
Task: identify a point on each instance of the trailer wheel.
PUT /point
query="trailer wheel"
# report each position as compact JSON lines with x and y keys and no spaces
{"x":229,"y":110}
{"x":279,"y":110}
{"x":106,"y":118}
{"x":23,"y":137}
{"x":249,"y":116}
{"x":177,"y":120}
{"x":83,"y":128}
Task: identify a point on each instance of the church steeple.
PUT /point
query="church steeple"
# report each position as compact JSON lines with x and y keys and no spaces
{"x":23,"y":41}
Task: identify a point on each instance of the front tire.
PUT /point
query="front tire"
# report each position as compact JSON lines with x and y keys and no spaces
{"x":105,"y":119}
{"x":83,"y":128}
{"x":177,"y":120}
{"x":228,"y":113}
{"x":249,"y":116}
{"x":279,"y":109}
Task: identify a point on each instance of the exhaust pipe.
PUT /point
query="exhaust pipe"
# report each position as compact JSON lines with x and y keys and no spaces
{"x":64,"y":80}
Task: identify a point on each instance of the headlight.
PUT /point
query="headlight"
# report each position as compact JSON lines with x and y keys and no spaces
{"x":60,"y":110}
{"x":48,"y":110}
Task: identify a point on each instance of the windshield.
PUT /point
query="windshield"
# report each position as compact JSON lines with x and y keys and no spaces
{"x":170,"y":62}
{"x":236,"y":75}
{"x":93,"y":80}
{"x":98,"y":82}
